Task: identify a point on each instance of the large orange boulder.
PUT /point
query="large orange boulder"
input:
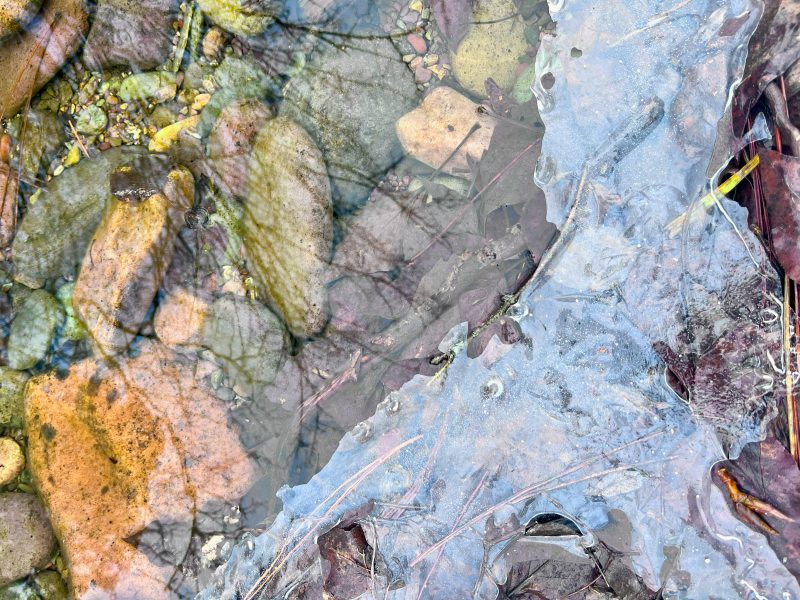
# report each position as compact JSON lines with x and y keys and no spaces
{"x":117,"y":448}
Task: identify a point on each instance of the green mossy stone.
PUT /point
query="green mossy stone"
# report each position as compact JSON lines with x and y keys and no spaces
{"x":241,"y":17}
{"x":33,"y":330}
{"x":12,"y":395}
{"x":491,"y":48}
{"x":50,"y":586}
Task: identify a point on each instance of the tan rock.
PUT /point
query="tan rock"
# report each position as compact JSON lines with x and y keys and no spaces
{"x":113,"y":449}
{"x":287,"y":228}
{"x":12,"y":460}
{"x":180,"y":319}
{"x":16,"y":14}
{"x":492,"y":46}
{"x":127,"y":259}
{"x":30,"y":61}
{"x":432,"y":132}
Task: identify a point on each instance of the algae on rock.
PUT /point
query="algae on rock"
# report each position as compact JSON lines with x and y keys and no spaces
{"x":288,"y":224}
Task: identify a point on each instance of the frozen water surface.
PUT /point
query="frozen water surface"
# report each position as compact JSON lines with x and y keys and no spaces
{"x":568,"y":450}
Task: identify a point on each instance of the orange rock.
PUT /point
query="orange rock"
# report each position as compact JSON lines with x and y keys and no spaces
{"x":127,"y":260}
{"x":29,"y":60}
{"x":116,"y":448}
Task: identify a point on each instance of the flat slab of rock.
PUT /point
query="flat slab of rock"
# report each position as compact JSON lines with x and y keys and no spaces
{"x":29,"y":60}
{"x":26,"y":539}
{"x":433,"y":132}
{"x":131,"y":33}
{"x":288,"y":224}
{"x":114,"y":449}
{"x":348,"y":99}
{"x":130,"y":254}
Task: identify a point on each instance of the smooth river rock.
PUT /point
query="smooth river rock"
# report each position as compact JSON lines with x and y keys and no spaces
{"x":288,"y":225}
{"x":241,"y":17}
{"x":135,"y":34}
{"x":16,"y":14}
{"x":348,"y":98}
{"x":129,"y":255}
{"x":432,"y":132}
{"x":492,"y":46}
{"x":33,"y":329}
{"x":30,"y":59}
{"x":115,"y":448}
{"x":26,"y":539}
{"x":55,"y":232}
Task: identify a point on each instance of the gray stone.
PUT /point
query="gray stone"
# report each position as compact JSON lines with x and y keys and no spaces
{"x":349,"y":98}
{"x":133,"y":33}
{"x":26,"y":539}
{"x":249,"y":341}
{"x":33,"y":330}
{"x":57,"y":229}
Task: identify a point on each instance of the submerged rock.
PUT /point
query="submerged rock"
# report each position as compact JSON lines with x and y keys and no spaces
{"x":12,"y":460}
{"x":135,"y":34}
{"x":16,"y":14}
{"x":492,"y":46}
{"x":432,"y":132}
{"x":349,"y":98}
{"x":130,"y":253}
{"x":231,"y":141}
{"x":33,"y":330}
{"x":249,"y":341}
{"x":241,"y":17}
{"x":114,"y":449}
{"x":26,"y":539}
{"x":31,"y":60}
{"x":56,"y":230}
{"x":155,"y":86}
{"x":288,"y":225}
{"x":9,"y":188}
{"x":12,"y":389}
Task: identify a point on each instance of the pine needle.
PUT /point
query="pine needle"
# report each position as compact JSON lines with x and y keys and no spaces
{"x":698,"y":209}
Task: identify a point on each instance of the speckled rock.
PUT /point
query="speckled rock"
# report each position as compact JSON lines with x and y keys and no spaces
{"x":491,"y":48}
{"x":241,"y":17}
{"x":114,"y":448}
{"x":12,"y":389}
{"x":129,"y":255}
{"x":23,"y":77}
{"x":131,"y":33}
{"x":231,"y":142}
{"x":287,"y":225}
{"x":432,"y":132}
{"x":26,"y":539}
{"x":55,"y":232}
{"x":33,"y":330}
{"x":336,"y":99}
{"x":16,"y":14}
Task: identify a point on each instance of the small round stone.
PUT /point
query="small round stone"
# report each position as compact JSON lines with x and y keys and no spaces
{"x":12,"y":460}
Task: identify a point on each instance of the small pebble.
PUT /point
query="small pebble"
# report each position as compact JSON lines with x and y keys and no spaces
{"x":12,"y":460}
{"x":417,"y":42}
{"x":213,"y":43}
